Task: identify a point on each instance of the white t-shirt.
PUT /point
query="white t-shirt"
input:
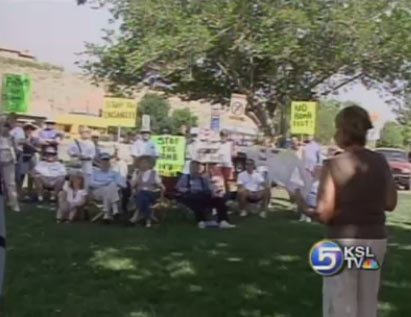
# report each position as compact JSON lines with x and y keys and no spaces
{"x":120,"y":167}
{"x":252,"y":182}
{"x":141,"y":147}
{"x":88,"y":152}
{"x":50,"y":169}
{"x":75,"y":199}
{"x":145,"y":178}
{"x":225,"y":154}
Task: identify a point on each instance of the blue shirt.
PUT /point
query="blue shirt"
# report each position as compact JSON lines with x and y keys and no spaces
{"x":100,"y":178}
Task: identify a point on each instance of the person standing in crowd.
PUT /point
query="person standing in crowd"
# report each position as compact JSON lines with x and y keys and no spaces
{"x":84,"y":150}
{"x":7,"y":165}
{"x":149,"y":189}
{"x":72,"y":199}
{"x":17,"y":137}
{"x":31,"y":147}
{"x":49,"y":136}
{"x":191,"y":152}
{"x":144,"y":146}
{"x":356,"y":188}
{"x":195,"y":192}
{"x":226,"y":154}
{"x":49,"y":174}
{"x":252,"y":188}
{"x":95,"y":138}
{"x":120,"y":166}
{"x":105,"y":185}
{"x":311,"y":155}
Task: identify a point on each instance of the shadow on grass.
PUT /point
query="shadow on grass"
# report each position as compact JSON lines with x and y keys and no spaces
{"x":258,"y":270}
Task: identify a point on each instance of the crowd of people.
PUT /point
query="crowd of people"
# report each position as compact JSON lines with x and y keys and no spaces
{"x":349,"y":192}
{"x":29,"y":155}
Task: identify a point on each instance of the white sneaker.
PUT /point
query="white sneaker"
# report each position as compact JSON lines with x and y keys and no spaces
{"x":40,"y":199}
{"x":201,"y":225}
{"x":243,"y":213}
{"x":148,"y":224}
{"x":107,"y":216}
{"x":16,"y":208}
{"x":52,"y":197}
{"x":263,"y":214}
{"x":226,"y":225}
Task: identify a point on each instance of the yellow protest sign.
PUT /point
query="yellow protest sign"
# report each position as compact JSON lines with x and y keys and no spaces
{"x":120,"y":112}
{"x":303,"y":117}
{"x":171,"y":154}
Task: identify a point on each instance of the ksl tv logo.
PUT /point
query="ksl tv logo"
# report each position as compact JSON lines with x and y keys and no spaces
{"x":327,"y":258}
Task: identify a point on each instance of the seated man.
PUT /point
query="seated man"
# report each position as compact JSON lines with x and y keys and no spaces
{"x":104,"y":186}
{"x":49,"y":174}
{"x":148,"y":188}
{"x":252,"y":188}
{"x":196,"y":193}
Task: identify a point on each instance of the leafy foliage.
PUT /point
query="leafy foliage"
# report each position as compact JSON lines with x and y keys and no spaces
{"x":182,"y":117}
{"x":404,"y":117}
{"x":272,"y":51}
{"x":157,"y":108}
{"x":392,"y":135}
{"x":326,"y":113}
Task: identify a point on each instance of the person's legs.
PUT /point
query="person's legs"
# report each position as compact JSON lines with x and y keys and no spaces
{"x":9,"y":178}
{"x":219,"y":204}
{"x":110,"y":199}
{"x":369,"y":280}
{"x":340,"y":294}
{"x":242,"y":196}
{"x":38,"y":182}
{"x":197,"y":206}
{"x":143,"y":203}
{"x":63,"y":207}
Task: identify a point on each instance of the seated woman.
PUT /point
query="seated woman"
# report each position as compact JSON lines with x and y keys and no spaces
{"x":72,"y":199}
{"x":196,"y":193}
{"x":148,"y":189}
{"x":252,"y":188}
{"x":49,"y":174}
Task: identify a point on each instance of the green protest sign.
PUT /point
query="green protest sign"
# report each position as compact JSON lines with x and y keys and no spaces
{"x":171,"y":154}
{"x":16,"y":92}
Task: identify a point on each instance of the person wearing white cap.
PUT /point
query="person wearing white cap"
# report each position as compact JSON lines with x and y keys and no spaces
{"x":84,"y":150}
{"x":49,"y":136}
{"x":49,"y":174}
{"x":144,"y":146}
{"x":104,"y":186}
{"x":7,"y":165}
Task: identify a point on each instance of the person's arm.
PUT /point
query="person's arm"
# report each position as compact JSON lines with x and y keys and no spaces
{"x":159,"y":183}
{"x":325,"y":210}
{"x":182,"y":184}
{"x":72,"y":150}
{"x":391,"y":194}
{"x":120,"y":180}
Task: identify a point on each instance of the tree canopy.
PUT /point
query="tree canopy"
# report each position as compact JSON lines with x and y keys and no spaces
{"x":392,"y":135}
{"x":272,"y":51}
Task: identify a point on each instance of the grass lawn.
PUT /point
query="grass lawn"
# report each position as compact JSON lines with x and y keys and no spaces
{"x":259,"y":269}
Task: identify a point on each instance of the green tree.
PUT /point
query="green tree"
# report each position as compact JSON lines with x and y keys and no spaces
{"x":158,"y":108}
{"x":182,"y":117}
{"x":403,"y":112}
{"x":274,"y":51}
{"x":326,"y":113}
{"x":392,"y":135}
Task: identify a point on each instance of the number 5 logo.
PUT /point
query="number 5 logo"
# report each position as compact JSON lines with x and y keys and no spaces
{"x":326,"y":258}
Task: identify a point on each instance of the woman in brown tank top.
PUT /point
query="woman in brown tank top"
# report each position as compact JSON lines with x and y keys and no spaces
{"x":356,"y":188}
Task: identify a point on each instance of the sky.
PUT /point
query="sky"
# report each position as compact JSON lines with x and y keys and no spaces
{"x":55,"y":30}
